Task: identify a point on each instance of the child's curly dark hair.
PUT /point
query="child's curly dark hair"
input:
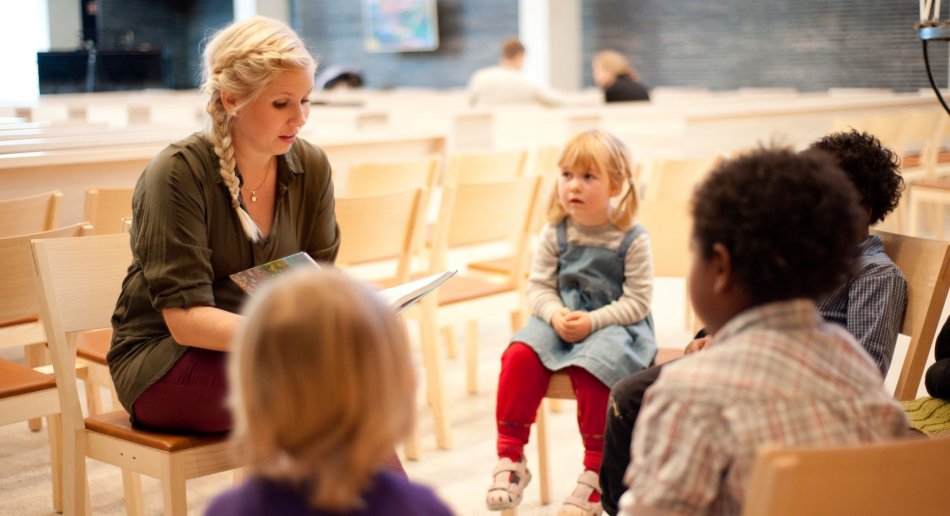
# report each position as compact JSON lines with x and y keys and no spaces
{"x":873,"y":168}
{"x":791,"y":222}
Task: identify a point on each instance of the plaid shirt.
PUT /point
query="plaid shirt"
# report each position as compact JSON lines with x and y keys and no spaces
{"x":870,"y":305}
{"x":774,"y":374}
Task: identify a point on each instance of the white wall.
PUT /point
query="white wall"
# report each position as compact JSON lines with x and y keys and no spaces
{"x":64,"y":22}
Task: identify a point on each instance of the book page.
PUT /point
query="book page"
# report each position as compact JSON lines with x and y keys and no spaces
{"x":403,"y":296}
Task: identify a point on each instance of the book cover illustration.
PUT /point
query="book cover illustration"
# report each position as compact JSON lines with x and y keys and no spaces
{"x":251,"y":279}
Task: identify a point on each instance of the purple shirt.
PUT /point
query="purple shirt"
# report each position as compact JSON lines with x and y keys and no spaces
{"x":390,"y":494}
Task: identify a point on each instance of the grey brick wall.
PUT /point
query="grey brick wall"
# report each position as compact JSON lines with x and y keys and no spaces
{"x":470,"y":35}
{"x":720,"y":44}
{"x":177,"y":26}
{"x":807,"y":44}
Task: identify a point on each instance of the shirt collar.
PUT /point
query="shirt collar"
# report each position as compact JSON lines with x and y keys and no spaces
{"x":794,"y":313}
{"x":871,"y":245}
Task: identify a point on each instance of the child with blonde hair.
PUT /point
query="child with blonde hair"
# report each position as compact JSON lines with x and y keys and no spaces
{"x":322,"y":388}
{"x":589,"y":292}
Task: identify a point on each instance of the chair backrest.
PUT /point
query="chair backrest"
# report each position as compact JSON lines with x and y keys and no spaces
{"x":476,"y":213}
{"x":486,"y":166}
{"x":18,"y":296}
{"x":79,"y":280}
{"x":674,"y":178}
{"x":365,"y":179}
{"x":902,"y":477}
{"x":105,"y":208}
{"x":545,"y":160}
{"x":926,"y":267}
{"x":32,"y":214}
{"x":669,"y":226}
{"x":380,"y":227}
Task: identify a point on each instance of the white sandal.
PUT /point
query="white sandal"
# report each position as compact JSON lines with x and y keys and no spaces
{"x":508,"y":482}
{"x":577,"y":503}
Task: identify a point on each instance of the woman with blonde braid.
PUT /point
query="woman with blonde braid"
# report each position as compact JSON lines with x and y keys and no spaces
{"x":243,"y":192}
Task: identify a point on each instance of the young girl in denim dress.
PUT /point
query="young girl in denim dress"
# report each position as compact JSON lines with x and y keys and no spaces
{"x":589,"y":292}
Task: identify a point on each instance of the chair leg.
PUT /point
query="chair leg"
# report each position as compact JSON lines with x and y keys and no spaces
{"x":132,"y":489}
{"x":92,"y":398}
{"x":433,"y":368}
{"x":76,"y":499}
{"x":173,"y":488}
{"x":34,"y":355}
{"x":411,"y":445}
{"x":54,"y":428}
{"x":541,"y":429}
{"x":471,"y":358}
{"x":451,"y":347}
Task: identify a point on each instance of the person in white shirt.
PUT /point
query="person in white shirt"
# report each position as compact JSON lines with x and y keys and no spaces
{"x":505,"y":83}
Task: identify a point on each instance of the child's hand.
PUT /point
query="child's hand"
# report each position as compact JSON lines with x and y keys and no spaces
{"x":577,"y":327}
{"x":559,"y":322}
{"x":696,"y":345}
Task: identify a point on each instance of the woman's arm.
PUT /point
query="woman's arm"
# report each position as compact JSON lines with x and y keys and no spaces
{"x":202,"y":326}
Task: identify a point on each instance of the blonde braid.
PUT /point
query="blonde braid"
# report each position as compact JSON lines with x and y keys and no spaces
{"x":219,"y":133}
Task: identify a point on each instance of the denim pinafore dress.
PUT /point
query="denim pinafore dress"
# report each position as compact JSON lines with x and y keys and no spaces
{"x":588,"y":278}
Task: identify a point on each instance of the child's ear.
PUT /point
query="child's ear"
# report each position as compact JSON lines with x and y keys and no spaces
{"x":722,"y":267}
{"x":615,"y":188}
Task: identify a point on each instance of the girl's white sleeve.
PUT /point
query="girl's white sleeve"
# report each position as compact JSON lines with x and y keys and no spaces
{"x":634,"y":303}
{"x":542,"y":294}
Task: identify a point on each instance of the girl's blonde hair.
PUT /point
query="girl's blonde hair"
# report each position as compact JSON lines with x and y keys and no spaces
{"x":615,"y":63}
{"x":601,"y":151}
{"x":322,"y":385}
{"x":242,"y":59}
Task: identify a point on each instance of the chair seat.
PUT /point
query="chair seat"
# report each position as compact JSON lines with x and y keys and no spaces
{"x":502,"y":265}
{"x":16,"y":380}
{"x":93,"y":345}
{"x":466,"y":288}
{"x":118,"y":425}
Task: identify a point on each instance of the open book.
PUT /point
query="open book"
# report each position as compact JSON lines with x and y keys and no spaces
{"x":399,"y":297}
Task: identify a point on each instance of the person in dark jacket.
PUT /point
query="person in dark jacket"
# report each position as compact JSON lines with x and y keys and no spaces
{"x":617,"y":77}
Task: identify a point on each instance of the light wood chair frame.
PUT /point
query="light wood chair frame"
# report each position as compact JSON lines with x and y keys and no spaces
{"x":925,"y":264}
{"x":470,"y":212}
{"x":31,"y":214}
{"x":79,"y":280}
{"x":900,"y":477}
{"x":106,"y":207}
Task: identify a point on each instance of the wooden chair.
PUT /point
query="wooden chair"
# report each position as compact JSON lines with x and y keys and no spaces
{"x":918,"y":145}
{"x":486,"y":166}
{"x":27,"y":394}
{"x":674,"y":179}
{"x":367,"y":179}
{"x":901,"y":477}
{"x":79,"y":280}
{"x":669,"y":226}
{"x":926,"y":267}
{"x":106,"y":207}
{"x":29,"y":214}
{"x":389,"y":242}
{"x":470,"y":214}
{"x":544,"y":166}
{"x":19,"y":312}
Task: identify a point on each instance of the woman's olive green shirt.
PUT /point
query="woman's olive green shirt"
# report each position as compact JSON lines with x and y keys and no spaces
{"x":186,"y":239}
